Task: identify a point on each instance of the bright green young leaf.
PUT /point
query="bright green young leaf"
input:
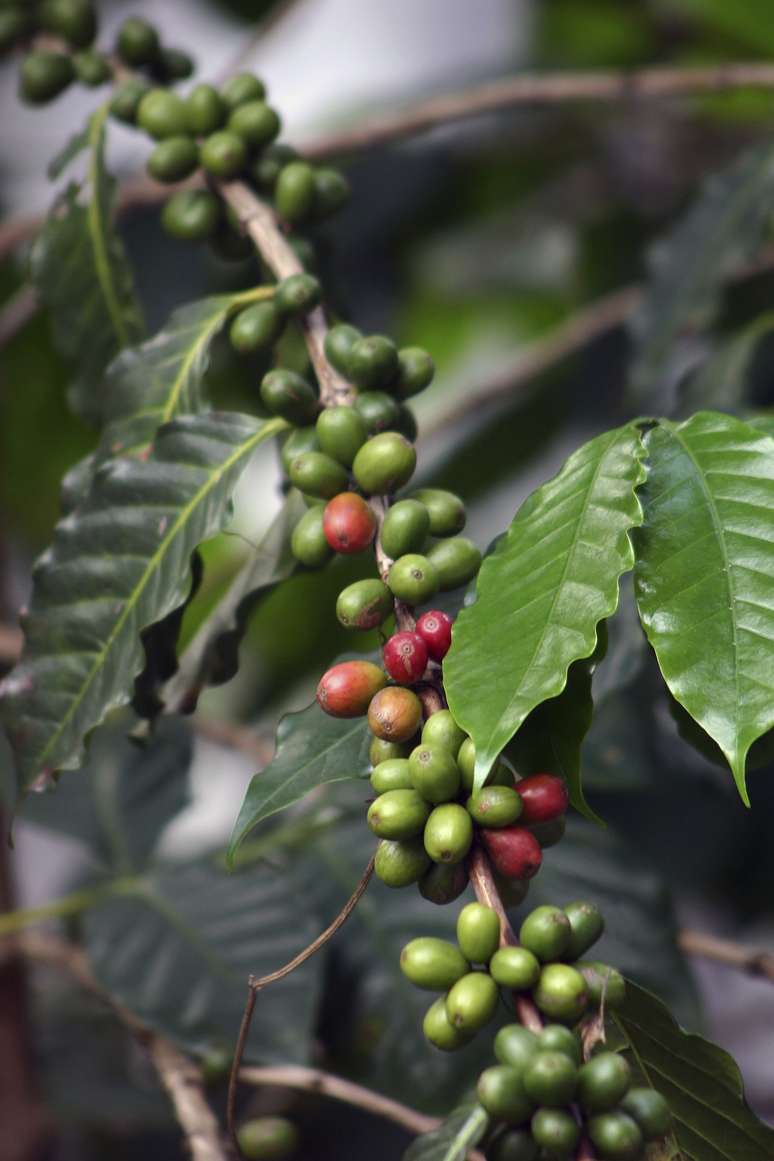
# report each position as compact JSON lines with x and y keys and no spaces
{"x":118,"y":564}
{"x":542,"y":593}
{"x":712,"y":1121}
{"x":451,"y":1141}
{"x":80,"y":272}
{"x":705,"y":575}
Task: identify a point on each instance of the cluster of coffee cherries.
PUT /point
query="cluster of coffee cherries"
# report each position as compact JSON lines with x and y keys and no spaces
{"x":268,"y":1139}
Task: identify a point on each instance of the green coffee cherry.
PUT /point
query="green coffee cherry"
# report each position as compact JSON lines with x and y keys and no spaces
{"x":398,"y":814}
{"x":331,"y":191}
{"x":501,"y":1092}
{"x":440,"y":729}
{"x":448,"y":833}
{"x":472,"y":1001}
{"x":586,"y":927}
{"x":205,"y":110}
{"x":255,"y":122}
{"x":617,"y":1136}
{"x":456,"y":561}
{"x":439,"y":1031}
{"x":298,"y":293}
{"x":173,"y":159}
{"x":603,"y":1081}
{"x":379,"y":411}
{"x":308,"y":543}
{"x":514,"y":1145}
{"x":433,"y":964}
{"x":650,"y":1110}
{"x":223,"y":154}
{"x":43,"y":76}
{"x":478,"y":932}
{"x":162,"y":114}
{"x":413,"y":579}
{"x":399,"y":864}
{"x":339,"y":342}
{"x":546,"y":933}
{"x":605,"y":984}
{"x":515,"y":968}
{"x":558,"y":1038}
{"x":384,"y":464}
{"x":317,"y":475}
{"x":137,"y":42}
{"x":415,"y":372}
{"x":265,"y":169}
{"x":373,"y":362}
{"x":74,"y":20}
{"x":268,"y":1139}
{"x":364,"y":604}
{"x":447,"y":511}
{"x":294,"y":191}
{"x":495,"y":806}
{"x":287,"y":394}
{"x":466,"y":760}
{"x":550,"y":1078}
{"x":126,"y":100}
{"x":342,"y":432}
{"x":256,"y":328}
{"x":381,"y":750}
{"x":556,"y":1131}
{"x":392,"y":774}
{"x":405,"y":529}
{"x":174,"y":65}
{"x":443,"y":883}
{"x":193,"y":215}
{"x":434,"y":773}
{"x":240,"y":89}
{"x":515,"y":1045}
{"x":300,"y":440}
{"x":561,"y":992}
{"x":92,"y":69}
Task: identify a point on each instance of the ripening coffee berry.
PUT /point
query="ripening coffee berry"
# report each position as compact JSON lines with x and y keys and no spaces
{"x":513,"y":1145}
{"x":550,"y":1078}
{"x":456,"y":560}
{"x":299,"y":441}
{"x":342,"y":432}
{"x":205,"y":110}
{"x":440,"y":1032}
{"x":443,"y":883}
{"x":364,"y":604}
{"x":616,"y":1136}
{"x":558,"y":1038}
{"x":398,"y":814}
{"x":257,"y":327}
{"x":268,"y":1139}
{"x":399,"y":864}
{"x":173,"y":159}
{"x":392,"y":774}
{"x":478,"y":932}
{"x":556,"y":1131}
{"x":255,"y":122}
{"x":91,"y":68}
{"x":43,"y":76}
{"x":586,"y":927}
{"x":126,"y":99}
{"x":288,"y":395}
{"x":515,"y":1045}
{"x":448,"y":833}
{"x":546,"y":933}
{"x":650,"y":1110}
{"x":331,"y":191}
{"x":501,"y":1092}
{"x":415,"y":372}
{"x":137,"y":42}
{"x":434,"y":627}
{"x":405,"y":657}
{"x":514,"y":852}
{"x":294,"y":191}
{"x":515,"y":968}
{"x":74,"y":20}
{"x":308,"y":543}
{"x":313,"y":473}
{"x":346,"y":690}
{"x":383,"y":751}
{"x":544,"y":796}
{"x":241,"y":88}
{"x":395,"y":713}
{"x":440,"y":729}
{"x":174,"y":65}
{"x":223,"y":153}
{"x":561,"y":992}
{"x":447,"y":511}
{"x":192,"y":215}
{"x":297,"y":293}
{"x":339,"y":342}
{"x":472,"y":1001}
{"x":378,"y":411}
{"x":349,"y":524}
{"x":405,"y":528}
{"x":413,"y":579}
{"x":605,"y":984}
{"x":384,"y":464}
{"x":433,"y":964}
{"x":495,"y":806}
{"x":373,"y":362}
{"x":162,"y":114}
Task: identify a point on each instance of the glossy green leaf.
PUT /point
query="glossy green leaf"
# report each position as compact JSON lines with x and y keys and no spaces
{"x":81,"y":273}
{"x":712,"y":1121}
{"x":722,"y":230}
{"x":705,"y":575}
{"x":451,"y":1141}
{"x":722,"y":382}
{"x":118,"y":564}
{"x":542,"y":593}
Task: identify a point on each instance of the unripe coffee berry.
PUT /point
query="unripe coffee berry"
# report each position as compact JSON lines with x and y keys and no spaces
{"x":586,"y":927}
{"x":395,"y":713}
{"x":501,"y":1092}
{"x":546,"y":933}
{"x":550,"y":1078}
{"x":299,"y":441}
{"x":162,"y":114}
{"x":349,"y":523}
{"x":399,"y":864}
{"x":415,"y":372}
{"x":440,"y":729}
{"x":433,"y":964}
{"x":43,"y":76}
{"x":373,"y":362}
{"x":364,"y":604}
{"x":456,"y":561}
{"x":382,"y":751}
{"x":297,"y":293}
{"x":223,"y":153}
{"x":513,"y":1145}
{"x":126,"y":99}
{"x":137,"y":42}
{"x":447,"y":511}
{"x":605,"y":984}
{"x":267,"y":1139}
{"x":405,"y":528}
{"x":515,"y":1045}
{"x":392,"y":774}
{"x":434,"y":627}
{"x":556,"y":1131}
{"x":495,"y":806}
{"x":413,"y":579}
{"x":288,"y":395}
{"x":91,"y":68}
{"x":193,"y":215}
{"x":561,"y":992}
{"x":384,"y":464}
{"x":650,"y":1110}
{"x":544,"y":796}
{"x":294,"y":191}
{"x":478,"y":932}
{"x":173,"y":159}
{"x":558,"y":1038}
{"x":515,"y":968}
{"x":339,"y":342}
{"x":308,"y":543}
{"x":405,"y":657}
{"x":514,"y":852}
{"x":443,"y":883}
{"x":341,"y":432}
{"x":378,"y":411}
{"x":74,"y":20}
{"x":448,"y":833}
{"x":616,"y":1136}
{"x":472,"y":1001}
{"x":331,"y":191}
{"x":398,"y":814}
{"x":255,"y":122}
{"x":256,"y":327}
{"x":439,"y":1031}
{"x":241,"y":88}
{"x":316,"y":474}
{"x":347,"y":689}
{"x":205,"y":110}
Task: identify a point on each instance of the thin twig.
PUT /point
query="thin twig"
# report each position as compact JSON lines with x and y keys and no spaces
{"x":753,"y":961}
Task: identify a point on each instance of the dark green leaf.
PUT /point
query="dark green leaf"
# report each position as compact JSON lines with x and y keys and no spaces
{"x":159,"y":642}
{"x":542,"y":593}
{"x":712,"y":1121}
{"x":705,"y":575}
{"x":118,"y":564}
{"x":722,"y":382}
{"x":80,"y":271}
{"x":451,"y":1141}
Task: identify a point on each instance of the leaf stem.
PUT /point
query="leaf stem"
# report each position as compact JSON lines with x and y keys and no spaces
{"x":71,"y":904}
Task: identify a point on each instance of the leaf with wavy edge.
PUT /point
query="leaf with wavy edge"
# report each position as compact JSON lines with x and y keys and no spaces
{"x":542,"y":593}
{"x":116,"y":565}
{"x":705,"y":575}
{"x":451,"y":1141}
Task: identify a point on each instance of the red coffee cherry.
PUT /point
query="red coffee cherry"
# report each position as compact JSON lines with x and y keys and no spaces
{"x":514,"y":851}
{"x":405,"y":657}
{"x":349,"y":525}
{"x":395,"y":714}
{"x":435,"y":630}
{"x":346,"y":690}
{"x":544,"y":796}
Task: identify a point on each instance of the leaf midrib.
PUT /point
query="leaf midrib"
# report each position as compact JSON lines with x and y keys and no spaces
{"x":97,"y":226}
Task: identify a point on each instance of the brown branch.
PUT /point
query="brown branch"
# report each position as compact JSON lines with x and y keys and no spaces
{"x":752,"y":961}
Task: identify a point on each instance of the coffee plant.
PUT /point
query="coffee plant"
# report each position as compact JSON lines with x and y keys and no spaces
{"x":457,"y":741}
